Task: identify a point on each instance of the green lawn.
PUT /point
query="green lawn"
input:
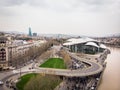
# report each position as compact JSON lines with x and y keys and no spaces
{"x":23,"y":80}
{"x":38,"y":82}
{"x":54,"y":63}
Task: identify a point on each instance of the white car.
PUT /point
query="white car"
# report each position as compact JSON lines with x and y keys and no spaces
{"x":12,"y":68}
{"x":1,"y":82}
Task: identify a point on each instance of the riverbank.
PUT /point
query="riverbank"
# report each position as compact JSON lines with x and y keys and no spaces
{"x":99,"y":81}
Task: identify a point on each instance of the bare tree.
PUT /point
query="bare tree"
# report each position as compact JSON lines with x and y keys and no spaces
{"x":66,"y":57}
{"x":42,"y":82}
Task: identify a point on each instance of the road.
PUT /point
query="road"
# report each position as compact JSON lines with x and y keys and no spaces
{"x":93,"y":69}
{"x":4,"y":75}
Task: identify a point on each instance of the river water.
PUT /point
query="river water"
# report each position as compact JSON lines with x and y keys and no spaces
{"x":111,"y":76}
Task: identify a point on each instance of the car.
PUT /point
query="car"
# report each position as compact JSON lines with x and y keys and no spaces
{"x":12,"y":68}
{"x":1,"y":82}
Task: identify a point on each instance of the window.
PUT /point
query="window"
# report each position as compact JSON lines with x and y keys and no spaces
{"x":2,"y":54}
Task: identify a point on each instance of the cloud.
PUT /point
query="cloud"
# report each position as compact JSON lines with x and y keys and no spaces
{"x":62,"y":16}
{"x":64,"y":5}
{"x":5,"y":3}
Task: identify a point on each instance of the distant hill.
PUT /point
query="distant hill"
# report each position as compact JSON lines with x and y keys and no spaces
{"x":61,"y":35}
{"x":13,"y":32}
{"x":116,"y":35}
{"x":58,"y":35}
{"x":111,"y":35}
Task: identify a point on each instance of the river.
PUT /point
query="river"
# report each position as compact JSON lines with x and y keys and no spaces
{"x":111,"y":76}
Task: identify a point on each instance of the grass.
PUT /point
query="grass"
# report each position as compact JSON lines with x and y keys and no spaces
{"x":43,"y":82}
{"x":38,"y":82}
{"x":54,"y":63}
{"x":23,"y":80}
{"x":50,"y":63}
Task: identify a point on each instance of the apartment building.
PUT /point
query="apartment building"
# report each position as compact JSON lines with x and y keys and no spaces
{"x":13,"y":53}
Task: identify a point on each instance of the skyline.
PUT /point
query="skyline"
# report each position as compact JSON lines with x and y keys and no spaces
{"x":78,"y":17}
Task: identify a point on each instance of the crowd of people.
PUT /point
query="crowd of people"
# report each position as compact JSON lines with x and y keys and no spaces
{"x":77,"y":64}
{"x":103,"y":56}
{"x":82,"y":83}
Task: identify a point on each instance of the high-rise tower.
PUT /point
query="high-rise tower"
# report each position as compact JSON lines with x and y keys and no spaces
{"x":30,"y":32}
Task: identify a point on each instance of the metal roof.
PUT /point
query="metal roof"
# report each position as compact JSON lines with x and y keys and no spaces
{"x":92,"y":44}
{"x":73,"y":41}
{"x":103,"y":46}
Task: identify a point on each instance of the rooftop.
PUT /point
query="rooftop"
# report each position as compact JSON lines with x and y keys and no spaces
{"x":73,"y":41}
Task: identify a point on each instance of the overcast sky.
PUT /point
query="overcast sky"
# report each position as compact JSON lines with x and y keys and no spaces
{"x":80,"y":17}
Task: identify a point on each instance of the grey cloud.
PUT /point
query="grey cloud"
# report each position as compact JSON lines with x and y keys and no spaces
{"x":10,"y":3}
{"x":63,"y":5}
{"x":85,"y":5}
{"x":48,"y":2}
{"x":5,"y":12}
{"x":5,"y":3}
{"x":42,"y":13}
{"x":57,"y":3}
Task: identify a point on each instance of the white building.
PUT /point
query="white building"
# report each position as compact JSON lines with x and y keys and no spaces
{"x":85,"y":45}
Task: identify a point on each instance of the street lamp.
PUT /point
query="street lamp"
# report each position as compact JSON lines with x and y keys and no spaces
{"x":20,"y":71}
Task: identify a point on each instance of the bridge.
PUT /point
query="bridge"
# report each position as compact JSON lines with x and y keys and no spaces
{"x":93,"y":69}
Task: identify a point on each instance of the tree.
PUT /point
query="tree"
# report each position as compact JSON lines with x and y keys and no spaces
{"x":67,"y":60}
{"x":42,"y":82}
{"x":66,"y":57}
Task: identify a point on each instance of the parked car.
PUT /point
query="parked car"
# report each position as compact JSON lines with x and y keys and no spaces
{"x":1,"y":82}
{"x":12,"y":68}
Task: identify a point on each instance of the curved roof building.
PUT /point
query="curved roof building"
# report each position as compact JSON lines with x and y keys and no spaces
{"x":84,"y":45}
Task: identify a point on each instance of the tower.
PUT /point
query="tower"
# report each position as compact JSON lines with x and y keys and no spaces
{"x":30,"y":32}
